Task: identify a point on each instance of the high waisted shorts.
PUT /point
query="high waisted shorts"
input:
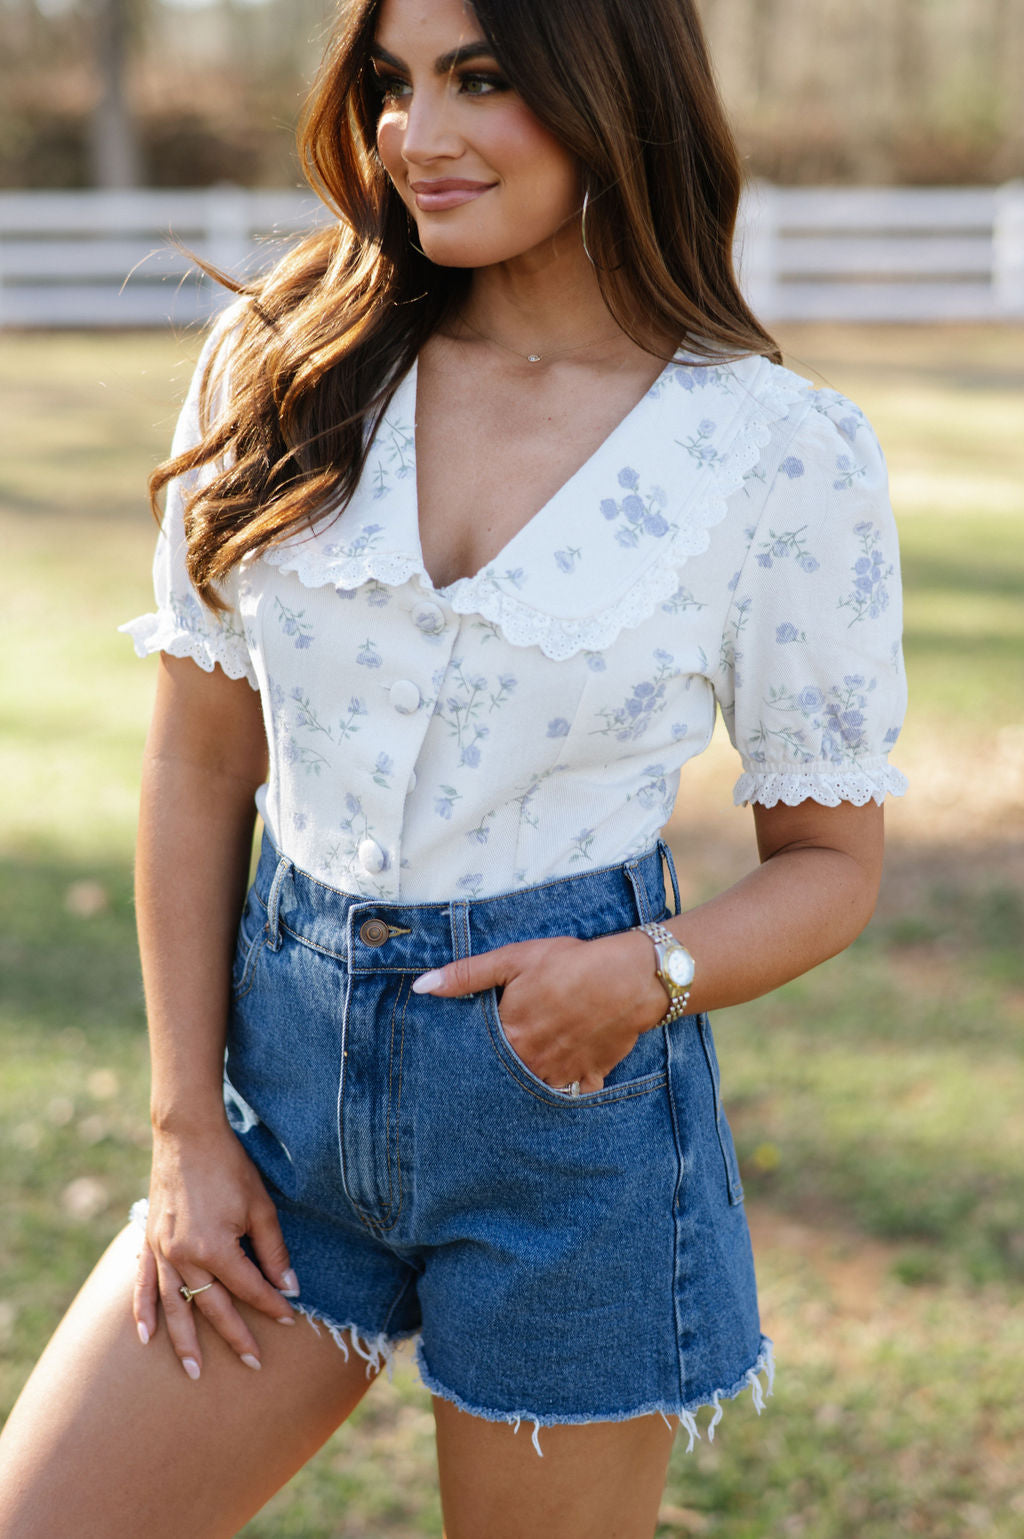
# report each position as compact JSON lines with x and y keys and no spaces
{"x":559,"y":1259}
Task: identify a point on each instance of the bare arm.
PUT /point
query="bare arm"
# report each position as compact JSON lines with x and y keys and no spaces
{"x":813,"y":893}
{"x":205,"y":755}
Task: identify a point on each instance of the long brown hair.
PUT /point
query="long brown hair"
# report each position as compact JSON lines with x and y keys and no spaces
{"x":627,"y":86}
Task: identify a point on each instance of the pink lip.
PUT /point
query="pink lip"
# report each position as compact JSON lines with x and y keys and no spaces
{"x":433,"y":197}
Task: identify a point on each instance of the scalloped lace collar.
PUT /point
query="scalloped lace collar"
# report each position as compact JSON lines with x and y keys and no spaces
{"x":607,"y":546}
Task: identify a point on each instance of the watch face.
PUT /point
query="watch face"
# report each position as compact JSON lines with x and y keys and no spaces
{"x":679,"y":967}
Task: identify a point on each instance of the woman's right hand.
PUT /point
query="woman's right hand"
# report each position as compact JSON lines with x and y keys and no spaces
{"x":205,"y":1194}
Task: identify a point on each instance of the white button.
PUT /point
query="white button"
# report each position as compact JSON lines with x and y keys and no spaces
{"x":371,"y":856}
{"x":429,"y":618}
{"x":404,"y":696}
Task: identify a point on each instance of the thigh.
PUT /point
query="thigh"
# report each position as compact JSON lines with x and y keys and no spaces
{"x":599,"y":1481}
{"x":110,"y":1439}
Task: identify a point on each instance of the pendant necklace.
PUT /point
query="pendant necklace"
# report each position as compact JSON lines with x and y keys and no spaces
{"x":529,"y":357}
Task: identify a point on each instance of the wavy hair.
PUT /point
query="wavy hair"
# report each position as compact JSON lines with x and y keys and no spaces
{"x":326,"y":335}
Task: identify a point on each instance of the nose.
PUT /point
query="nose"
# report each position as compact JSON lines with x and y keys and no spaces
{"x":430,"y":132}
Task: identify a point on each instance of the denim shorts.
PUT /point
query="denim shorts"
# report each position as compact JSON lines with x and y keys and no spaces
{"x":560,"y":1260}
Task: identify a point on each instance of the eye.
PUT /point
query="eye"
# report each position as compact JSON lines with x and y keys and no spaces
{"x":388,"y":88}
{"x":482,"y":85}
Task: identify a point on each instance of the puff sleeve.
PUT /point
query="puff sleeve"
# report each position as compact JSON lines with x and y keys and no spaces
{"x":182,"y":625}
{"x":810,"y":678}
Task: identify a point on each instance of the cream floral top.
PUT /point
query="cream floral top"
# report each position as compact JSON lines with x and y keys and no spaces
{"x":731,"y":541}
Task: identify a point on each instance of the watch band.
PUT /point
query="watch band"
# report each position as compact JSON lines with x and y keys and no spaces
{"x":666,"y":943}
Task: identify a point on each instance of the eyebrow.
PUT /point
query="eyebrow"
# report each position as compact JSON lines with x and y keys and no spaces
{"x":445,"y":63}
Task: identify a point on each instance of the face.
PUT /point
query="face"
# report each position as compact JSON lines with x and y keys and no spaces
{"x":483,"y":180}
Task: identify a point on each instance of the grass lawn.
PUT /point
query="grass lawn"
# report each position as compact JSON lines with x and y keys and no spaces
{"x":876,"y":1103}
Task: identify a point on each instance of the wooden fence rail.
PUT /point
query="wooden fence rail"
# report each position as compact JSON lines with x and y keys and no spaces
{"x":106,"y":259}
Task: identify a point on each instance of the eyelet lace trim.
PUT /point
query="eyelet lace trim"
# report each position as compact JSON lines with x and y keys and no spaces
{"x":523,"y":624}
{"x":858,"y":784}
{"x":317,"y":565}
{"x":159,"y":633}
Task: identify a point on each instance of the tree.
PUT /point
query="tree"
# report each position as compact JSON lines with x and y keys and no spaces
{"x":114,"y":145}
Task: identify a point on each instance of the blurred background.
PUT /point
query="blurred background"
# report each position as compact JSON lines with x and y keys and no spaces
{"x":876,"y":1103}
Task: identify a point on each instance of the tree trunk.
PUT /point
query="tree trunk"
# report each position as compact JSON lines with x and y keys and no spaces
{"x":114,"y":141}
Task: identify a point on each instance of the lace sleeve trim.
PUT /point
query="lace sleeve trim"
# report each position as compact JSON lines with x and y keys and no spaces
{"x":159,"y":633}
{"x":872,"y":781}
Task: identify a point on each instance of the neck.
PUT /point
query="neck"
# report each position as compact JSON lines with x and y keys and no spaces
{"x":543,"y":304}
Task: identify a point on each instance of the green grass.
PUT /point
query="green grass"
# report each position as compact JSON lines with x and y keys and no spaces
{"x":876,"y":1103}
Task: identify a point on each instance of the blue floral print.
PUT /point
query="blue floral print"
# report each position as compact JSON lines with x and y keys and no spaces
{"x":835,"y":722}
{"x":849,"y":473}
{"x":294,"y":624}
{"x":639,"y":515}
{"x":444,"y":803}
{"x":397,"y":456}
{"x":871,"y":571}
{"x":789,"y":545}
{"x":368,"y":538}
{"x":681,"y":601}
{"x":368,"y":655}
{"x":642,"y":705}
{"x":699,"y":445}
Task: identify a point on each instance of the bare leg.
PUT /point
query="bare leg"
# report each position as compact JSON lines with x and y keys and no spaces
{"x":601,"y":1481}
{"x":110,"y":1439}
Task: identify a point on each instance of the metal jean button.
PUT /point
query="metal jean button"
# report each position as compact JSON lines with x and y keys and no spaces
{"x":373,"y":932}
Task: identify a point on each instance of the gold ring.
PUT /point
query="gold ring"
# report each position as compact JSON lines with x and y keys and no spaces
{"x":188,"y":1294}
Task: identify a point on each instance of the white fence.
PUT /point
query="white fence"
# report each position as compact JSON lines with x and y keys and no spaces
{"x":104,"y":259}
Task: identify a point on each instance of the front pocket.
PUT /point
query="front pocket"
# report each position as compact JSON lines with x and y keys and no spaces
{"x":641,"y":1071}
{"x":732,"y":1165}
{"x":247,"y":951}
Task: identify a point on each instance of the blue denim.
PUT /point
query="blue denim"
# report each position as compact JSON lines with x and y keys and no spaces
{"x":560,"y":1259}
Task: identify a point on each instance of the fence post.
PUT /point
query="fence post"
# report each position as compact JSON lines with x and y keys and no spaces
{"x":1008,"y":251}
{"x":227,"y":226}
{"x":757,"y":248}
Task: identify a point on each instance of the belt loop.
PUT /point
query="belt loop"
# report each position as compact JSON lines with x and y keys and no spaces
{"x":284,"y":866}
{"x":636,"y":881}
{"x":666,"y":855}
{"x":459,"y":908}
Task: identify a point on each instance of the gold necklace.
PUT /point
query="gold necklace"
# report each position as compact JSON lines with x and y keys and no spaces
{"x":527,"y":357}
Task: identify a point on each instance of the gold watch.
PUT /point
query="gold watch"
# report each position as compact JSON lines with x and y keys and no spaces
{"x":675,"y":968}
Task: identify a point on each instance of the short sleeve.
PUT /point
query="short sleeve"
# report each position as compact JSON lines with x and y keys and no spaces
{"x":810,"y":678}
{"x":182,"y":625}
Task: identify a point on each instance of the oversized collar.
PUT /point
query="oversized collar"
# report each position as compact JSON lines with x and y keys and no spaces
{"x":606,"y":548}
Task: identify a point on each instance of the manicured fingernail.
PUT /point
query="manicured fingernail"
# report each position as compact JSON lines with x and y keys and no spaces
{"x":250,"y":1361}
{"x":143,"y":1331}
{"x":427,"y":981}
{"x":289,"y":1284}
{"x":286,"y":1319}
{"x":191,"y":1367}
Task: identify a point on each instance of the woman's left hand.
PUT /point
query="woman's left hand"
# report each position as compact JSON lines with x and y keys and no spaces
{"x":572,"y":1009}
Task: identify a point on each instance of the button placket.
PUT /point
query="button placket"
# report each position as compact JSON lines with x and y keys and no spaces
{"x":405,"y":697}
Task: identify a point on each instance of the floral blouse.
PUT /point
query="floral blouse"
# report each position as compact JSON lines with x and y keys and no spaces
{"x":731,"y":541}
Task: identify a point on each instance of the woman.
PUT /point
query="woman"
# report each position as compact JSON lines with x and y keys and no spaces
{"x":490,"y":492}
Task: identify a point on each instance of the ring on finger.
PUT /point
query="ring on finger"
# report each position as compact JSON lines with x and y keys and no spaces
{"x":572,"y":1089}
{"x":188,"y":1294}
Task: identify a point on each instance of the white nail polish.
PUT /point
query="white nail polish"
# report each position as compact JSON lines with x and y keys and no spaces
{"x":286,"y":1319}
{"x":289,"y":1284}
{"x":427,"y":981}
{"x":250,"y":1361}
{"x":191,"y":1367}
{"x":143,"y":1331}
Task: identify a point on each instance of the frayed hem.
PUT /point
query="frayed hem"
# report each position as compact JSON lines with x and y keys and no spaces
{"x":685,"y":1415}
{"x":377,"y":1351}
